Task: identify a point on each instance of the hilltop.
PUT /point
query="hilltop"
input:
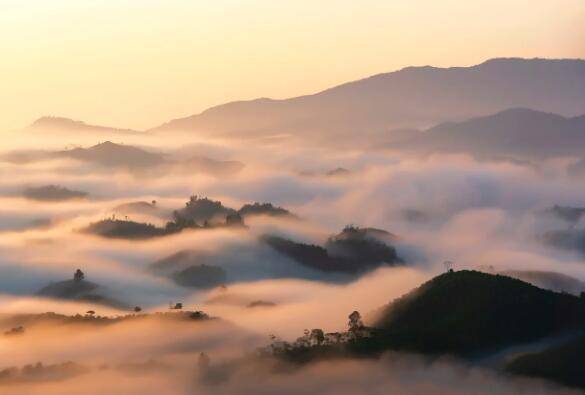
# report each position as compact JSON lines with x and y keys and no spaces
{"x":469,"y":312}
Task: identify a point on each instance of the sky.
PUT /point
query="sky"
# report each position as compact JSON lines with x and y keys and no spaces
{"x":140,"y":63}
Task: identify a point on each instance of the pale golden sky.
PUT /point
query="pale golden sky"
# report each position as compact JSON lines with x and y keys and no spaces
{"x":138,"y":63}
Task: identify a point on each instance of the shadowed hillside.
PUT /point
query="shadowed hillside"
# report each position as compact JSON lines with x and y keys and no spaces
{"x":81,"y":290}
{"x":115,"y":155}
{"x":354,"y":250}
{"x":468,"y":312}
{"x":189,"y":269}
{"x":52,"y":193}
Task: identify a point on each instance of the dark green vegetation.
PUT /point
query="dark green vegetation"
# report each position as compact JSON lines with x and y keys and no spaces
{"x":198,"y":213}
{"x":201,"y":211}
{"x":354,"y":250}
{"x":465,"y":313}
{"x":125,"y":229}
{"x":81,"y":290}
{"x":188,"y":269}
{"x":52,"y":193}
{"x":9,"y":322}
{"x":263,"y":209}
{"x":564,"y":364}
{"x":469,"y":312}
{"x":200,"y":276}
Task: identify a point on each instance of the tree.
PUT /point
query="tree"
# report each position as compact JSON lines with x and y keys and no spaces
{"x":90,"y":313}
{"x":78,"y":275}
{"x":137,"y":309}
{"x":448,"y":266}
{"x":317,"y":337}
{"x":234,"y":220}
{"x":355,"y":322}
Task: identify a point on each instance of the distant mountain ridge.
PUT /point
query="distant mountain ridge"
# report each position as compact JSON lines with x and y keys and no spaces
{"x":517,"y":132}
{"x":63,"y":124}
{"x":411,"y":97}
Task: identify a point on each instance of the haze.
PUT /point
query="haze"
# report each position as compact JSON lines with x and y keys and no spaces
{"x":114,"y":63}
{"x":292,"y":197}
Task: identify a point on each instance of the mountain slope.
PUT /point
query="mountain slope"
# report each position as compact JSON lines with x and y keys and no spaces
{"x":554,"y":281}
{"x":468,"y":312}
{"x":60,"y":124}
{"x":114,"y":155}
{"x":80,"y":290}
{"x":411,"y":97}
{"x":515,"y":133}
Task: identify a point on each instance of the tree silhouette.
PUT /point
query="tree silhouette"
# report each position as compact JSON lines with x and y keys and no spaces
{"x":355,"y":323}
{"x":317,"y":337}
{"x":448,"y":266}
{"x":78,"y":275}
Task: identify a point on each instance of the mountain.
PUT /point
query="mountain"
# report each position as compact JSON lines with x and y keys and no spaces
{"x":264,"y":209}
{"x":52,"y":193}
{"x":115,"y":155}
{"x":188,"y":269}
{"x":125,"y":229}
{"x":564,"y":363}
{"x":554,"y":281}
{"x":80,"y":290}
{"x":514,"y":133}
{"x":469,"y":312}
{"x":110,"y":154}
{"x":202,"y":210}
{"x":411,"y":97}
{"x":60,"y":124}
{"x":354,"y":250}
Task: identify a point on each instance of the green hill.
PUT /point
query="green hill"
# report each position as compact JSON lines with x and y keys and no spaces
{"x":469,"y":312}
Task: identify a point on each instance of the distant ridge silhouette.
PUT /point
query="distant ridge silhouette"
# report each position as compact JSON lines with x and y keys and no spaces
{"x":516,"y":133}
{"x":50,"y":123}
{"x":411,"y":97}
